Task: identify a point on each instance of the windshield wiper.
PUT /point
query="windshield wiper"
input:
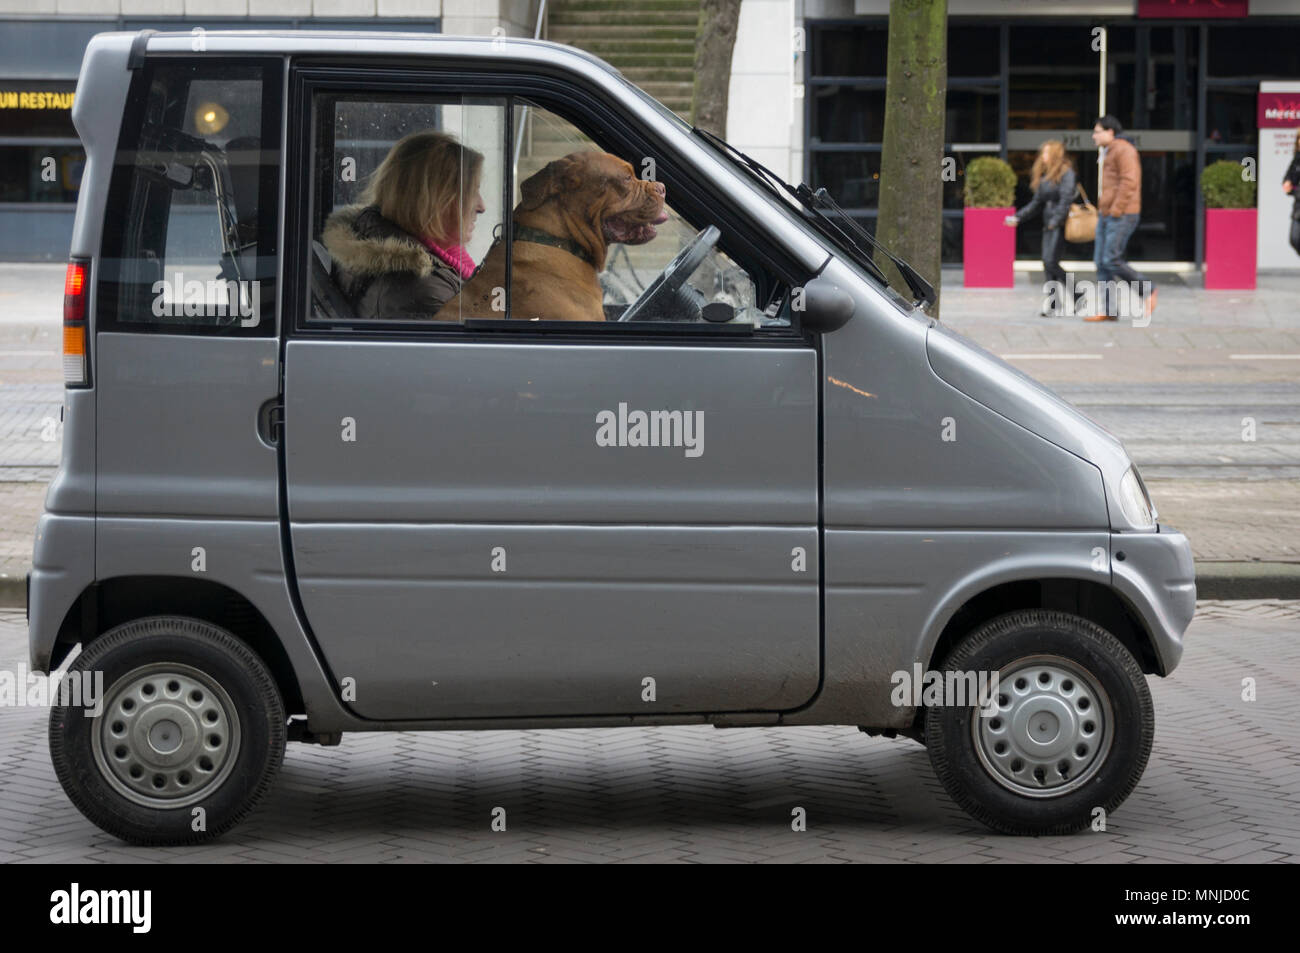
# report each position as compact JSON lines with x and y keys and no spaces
{"x":815,"y":202}
{"x":922,"y":290}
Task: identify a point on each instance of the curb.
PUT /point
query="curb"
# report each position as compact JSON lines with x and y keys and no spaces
{"x":13,"y":592}
{"x":1215,"y":579}
{"x":1247,"y":580}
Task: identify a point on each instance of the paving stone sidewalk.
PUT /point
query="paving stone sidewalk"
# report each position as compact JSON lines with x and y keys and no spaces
{"x":1222,"y":785}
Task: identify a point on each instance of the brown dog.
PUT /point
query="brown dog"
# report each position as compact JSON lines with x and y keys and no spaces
{"x":569,"y":215}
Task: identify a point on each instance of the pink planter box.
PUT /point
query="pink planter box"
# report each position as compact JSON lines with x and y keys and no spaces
{"x":988,"y":248}
{"x":1230,"y":237}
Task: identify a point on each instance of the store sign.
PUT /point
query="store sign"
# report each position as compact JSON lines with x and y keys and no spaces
{"x":35,"y":99}
{"x":1279,"y":125}
{"x":1278,"y":110}
{"x":1078,"y":140}
{"x":1199,"y":9}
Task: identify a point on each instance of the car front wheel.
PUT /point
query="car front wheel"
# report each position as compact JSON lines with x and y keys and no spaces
{"x":1067,"y":736}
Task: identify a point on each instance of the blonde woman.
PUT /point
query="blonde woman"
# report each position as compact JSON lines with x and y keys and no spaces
{"x":1053,"y":181}
{"x":401,"y":254}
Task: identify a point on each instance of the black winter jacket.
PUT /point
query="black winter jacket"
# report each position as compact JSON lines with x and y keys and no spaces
{"x":1293,"y":176}
{"x":383,"y":271}
{"x":1052,"y":199}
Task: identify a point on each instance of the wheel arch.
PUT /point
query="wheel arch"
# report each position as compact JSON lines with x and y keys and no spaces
{"x":107,"y":603}
{"x":1085,"y":598}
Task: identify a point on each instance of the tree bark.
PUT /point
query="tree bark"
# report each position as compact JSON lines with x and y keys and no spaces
{"x":910,"y":212}
{"x":715,"y":38}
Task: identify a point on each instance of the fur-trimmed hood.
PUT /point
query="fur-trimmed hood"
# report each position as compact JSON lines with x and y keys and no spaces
{"x":383,"y":271}
{"x":361,"y":241}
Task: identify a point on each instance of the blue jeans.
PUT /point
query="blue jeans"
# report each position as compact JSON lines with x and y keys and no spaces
{"x":1108,"y":254}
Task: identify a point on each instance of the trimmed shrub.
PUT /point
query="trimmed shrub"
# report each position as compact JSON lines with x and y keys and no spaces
{"x":1224,"y":185}
{"x":990,"y":183}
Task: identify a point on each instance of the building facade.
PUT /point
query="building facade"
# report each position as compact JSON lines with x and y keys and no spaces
{"x":1181,"y":75}
{"x":807,"y":91}
{"x":41,"y":45}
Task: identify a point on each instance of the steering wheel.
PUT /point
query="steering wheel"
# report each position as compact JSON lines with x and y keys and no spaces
{"x":666,"y":284}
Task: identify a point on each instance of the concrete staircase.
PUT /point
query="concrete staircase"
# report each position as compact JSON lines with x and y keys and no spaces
{"x":651,"y":42}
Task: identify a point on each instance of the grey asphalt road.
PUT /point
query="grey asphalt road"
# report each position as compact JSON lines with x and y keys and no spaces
{"x":1222,"y":785}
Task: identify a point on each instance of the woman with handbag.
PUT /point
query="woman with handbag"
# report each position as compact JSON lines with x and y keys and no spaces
{"x":1053,"y":182}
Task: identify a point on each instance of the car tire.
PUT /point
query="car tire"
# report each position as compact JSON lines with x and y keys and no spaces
{"x":190,"y":734}
{"x":1071,"y":732}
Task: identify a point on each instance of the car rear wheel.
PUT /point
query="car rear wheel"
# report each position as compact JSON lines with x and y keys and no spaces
{"x":1068,"y":733}
{"x":186,"y":737}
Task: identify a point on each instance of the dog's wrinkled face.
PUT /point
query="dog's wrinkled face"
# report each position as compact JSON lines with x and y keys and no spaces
{"x":603,"y":192}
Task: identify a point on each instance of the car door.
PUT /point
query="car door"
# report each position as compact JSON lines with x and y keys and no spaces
{"x":545,"y":518}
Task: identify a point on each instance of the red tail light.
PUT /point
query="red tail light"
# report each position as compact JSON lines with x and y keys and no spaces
{"x":76,"y":357}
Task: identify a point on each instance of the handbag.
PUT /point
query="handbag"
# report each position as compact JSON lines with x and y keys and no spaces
{"x":1081,"y":225}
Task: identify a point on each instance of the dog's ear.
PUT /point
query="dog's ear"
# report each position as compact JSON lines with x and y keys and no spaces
{"x":540,"y":186}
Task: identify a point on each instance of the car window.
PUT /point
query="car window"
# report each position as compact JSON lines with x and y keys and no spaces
{"x":566,"y":183}
{"x":409,"y":197}
{"x":190,"y":233}
{"x":453,"y":209}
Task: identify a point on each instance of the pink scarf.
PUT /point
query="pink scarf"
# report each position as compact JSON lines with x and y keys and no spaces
{"x":456,"y":256}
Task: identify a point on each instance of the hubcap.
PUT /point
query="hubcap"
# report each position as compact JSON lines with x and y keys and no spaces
{"x":168,"y":736}
{"x":1052,"y":729}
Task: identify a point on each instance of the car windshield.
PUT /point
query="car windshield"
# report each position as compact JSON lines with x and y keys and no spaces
{"x":820,"y":212}
{"x":815,"y":210}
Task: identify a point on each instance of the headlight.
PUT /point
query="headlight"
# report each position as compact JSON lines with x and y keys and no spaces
{"x":1135,"y":502}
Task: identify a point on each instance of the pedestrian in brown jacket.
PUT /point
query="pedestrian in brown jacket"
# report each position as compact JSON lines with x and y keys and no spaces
{"x":1119,"y":208}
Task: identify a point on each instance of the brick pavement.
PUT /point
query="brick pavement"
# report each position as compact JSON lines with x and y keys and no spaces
{"x":1223,"y":785}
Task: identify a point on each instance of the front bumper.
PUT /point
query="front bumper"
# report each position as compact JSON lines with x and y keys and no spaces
{"x":1156,"y":574}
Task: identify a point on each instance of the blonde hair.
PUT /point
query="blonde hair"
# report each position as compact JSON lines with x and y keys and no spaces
{"x":424,"y":179}
{"x":1053,"y":167}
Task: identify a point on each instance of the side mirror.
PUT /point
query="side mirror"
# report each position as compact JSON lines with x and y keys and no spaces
{"x":826,"y":306}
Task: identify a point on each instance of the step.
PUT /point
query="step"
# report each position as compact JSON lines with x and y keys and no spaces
{"x":648,"y":48}
{"x":619,"y":6}
{"x":620,"y":31}
{"x":643,"y":75}
{"x":649,"y":18}
{"x":647,"y":61}
{"x":664,"y":91}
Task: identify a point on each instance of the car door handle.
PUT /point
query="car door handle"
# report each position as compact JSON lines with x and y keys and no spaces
{"x":270,"y":422}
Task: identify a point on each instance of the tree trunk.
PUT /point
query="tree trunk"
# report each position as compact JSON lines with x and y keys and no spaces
{"x":715,"y":38}
{"x":910,"y":217}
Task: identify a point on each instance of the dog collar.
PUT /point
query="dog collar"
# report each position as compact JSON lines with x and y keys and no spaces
{"x":526,"y":233}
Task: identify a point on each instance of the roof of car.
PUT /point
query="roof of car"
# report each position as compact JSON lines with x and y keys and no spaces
{"x":396,"y":42}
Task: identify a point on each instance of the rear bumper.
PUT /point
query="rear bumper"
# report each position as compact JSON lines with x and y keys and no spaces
{"x":1156,"y":574}
{"x":63,"y":565}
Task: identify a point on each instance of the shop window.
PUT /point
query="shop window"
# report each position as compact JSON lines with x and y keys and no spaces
{"x":848,"y":50}
{"x":1253,"y":51}
{"x":852,"y":178}
{"x":972,"y":115}
{"x":1231,"y":115}
{"x":973,"y":51}
{"x":848,"y":114}
{"x":41,"y":161}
